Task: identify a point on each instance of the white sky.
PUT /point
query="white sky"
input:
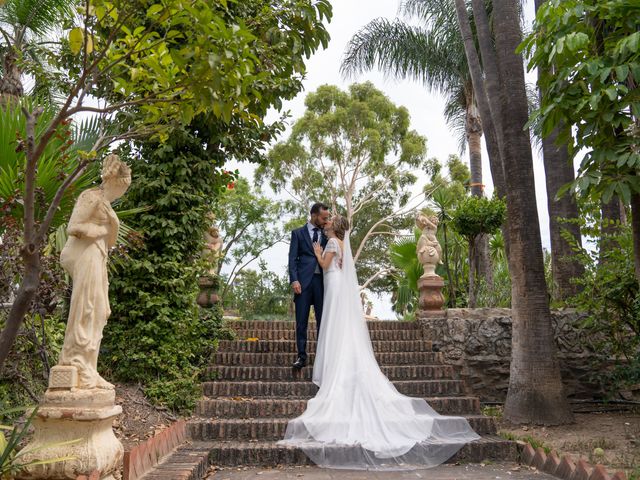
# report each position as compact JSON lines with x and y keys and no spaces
{"x":425,"y":108}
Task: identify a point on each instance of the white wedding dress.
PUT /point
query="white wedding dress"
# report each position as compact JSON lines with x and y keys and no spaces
{"x":358,"y":420}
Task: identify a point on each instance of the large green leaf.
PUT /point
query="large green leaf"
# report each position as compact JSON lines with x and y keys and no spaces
{"x":60,"y":157}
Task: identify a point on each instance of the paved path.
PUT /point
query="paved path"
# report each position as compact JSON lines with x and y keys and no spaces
{"x":497,"y":471}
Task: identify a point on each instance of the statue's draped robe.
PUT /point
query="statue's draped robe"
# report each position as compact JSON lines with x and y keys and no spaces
{"x":92,"y":230}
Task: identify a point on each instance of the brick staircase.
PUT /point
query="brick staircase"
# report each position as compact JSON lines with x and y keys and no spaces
{"x":252,"y":392}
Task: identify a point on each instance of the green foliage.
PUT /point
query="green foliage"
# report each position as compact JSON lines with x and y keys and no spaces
{"x":259,"y":293}
{"x":40,"y":337}
{"x":153,"y":293}
{"x":408,"y":270}
{"x":183,"y":180}
{"x":249,"y":225}
{"x":588,"y":53}
{"x":61,"y":156}
{"x":478,"y":215}
{"x":611,"y":302}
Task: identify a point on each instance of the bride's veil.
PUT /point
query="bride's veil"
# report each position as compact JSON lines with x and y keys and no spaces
{"x":358,"y":420}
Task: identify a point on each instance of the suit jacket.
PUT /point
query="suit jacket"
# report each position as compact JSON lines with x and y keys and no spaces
{"x":302,"y":259}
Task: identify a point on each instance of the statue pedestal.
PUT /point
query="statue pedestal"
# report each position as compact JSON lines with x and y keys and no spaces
{"x":81,"y":417}
{"x":431,"y":299}
{"x":208,"y":295}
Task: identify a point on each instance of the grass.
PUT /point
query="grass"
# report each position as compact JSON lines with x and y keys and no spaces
{"x":534,"y":442}
{"x":492,"y":411}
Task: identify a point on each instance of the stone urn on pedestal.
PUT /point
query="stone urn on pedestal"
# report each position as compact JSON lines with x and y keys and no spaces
{"x":75,"y":419}
{"x":429,"y":253}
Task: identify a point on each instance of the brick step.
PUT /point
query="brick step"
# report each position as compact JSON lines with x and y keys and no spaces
{"x":265,"y":346}
{"x":416,"y":388}
{"x":257,"y":429}
{"x":288,"y":374}
{"x":287,"y":408}
{"x":188,"y":462}
{"x":290,"y":325}
{"x":287,"y":358}
{"x":290,"y":334}
{"x":269,"y":454}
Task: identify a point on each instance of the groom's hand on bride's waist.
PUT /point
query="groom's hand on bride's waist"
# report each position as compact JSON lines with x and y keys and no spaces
{"x":297,"y":288}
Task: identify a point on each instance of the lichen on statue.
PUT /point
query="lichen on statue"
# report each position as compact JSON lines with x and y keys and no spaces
{"x":92,"y":230}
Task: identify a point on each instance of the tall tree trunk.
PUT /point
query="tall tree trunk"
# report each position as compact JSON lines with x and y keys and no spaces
{"x":10,"y":83}
{"x":21,"y":304}
{"x":635,"y":227}
{"x":609,"y":226}
{"x":491,"y":126}
{"x":473,"y":269}
{"x":536,"y":393}
{"x":559,"y":172}
{"x":473,"y":127}
{"x":451,"y":286}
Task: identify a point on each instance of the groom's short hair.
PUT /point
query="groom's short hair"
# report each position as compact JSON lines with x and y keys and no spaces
{"x":317,"y":207}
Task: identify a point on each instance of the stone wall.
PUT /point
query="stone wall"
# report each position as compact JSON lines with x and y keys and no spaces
{"x":478,"y":342}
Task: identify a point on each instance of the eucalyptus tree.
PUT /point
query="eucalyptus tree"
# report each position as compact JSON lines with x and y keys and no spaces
{"x":432,"y":54}
{"x":536,"y":393}
{"x":356,"y":151}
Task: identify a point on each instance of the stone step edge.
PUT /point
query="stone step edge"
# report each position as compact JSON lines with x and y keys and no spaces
{"x":188,"y":462}
{"x":209,"y":402}
{"x":194,"y":458}
{"x":143,"y":457}
{"x":197,"y":419}
{"x":290,"y":399}
{"x":564,"y":466}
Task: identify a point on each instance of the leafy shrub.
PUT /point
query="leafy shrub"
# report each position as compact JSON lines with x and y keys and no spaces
{"x":157,"y":334}
{"x":611,"y":300}
{"x":41,"y":335}
{"x":260,"y":293}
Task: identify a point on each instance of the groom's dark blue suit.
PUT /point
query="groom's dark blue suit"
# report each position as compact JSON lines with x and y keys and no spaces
{"x":303,"y":266}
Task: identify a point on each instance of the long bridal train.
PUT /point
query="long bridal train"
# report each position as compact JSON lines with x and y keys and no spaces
{"x":358,"y":420}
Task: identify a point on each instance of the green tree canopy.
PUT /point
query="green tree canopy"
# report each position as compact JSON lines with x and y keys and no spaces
{"x":249,"y":224}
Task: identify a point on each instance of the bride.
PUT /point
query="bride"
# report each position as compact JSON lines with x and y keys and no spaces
{"x":358,"y":420}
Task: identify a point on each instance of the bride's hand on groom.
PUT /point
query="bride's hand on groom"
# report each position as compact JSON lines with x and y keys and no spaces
{"x":317,"y":249}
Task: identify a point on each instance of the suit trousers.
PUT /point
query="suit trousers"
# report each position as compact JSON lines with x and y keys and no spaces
{"x":311,"y":295}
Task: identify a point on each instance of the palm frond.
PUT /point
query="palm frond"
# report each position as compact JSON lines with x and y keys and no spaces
{"x":455,"y":114}
{"x":39,"y":17}
{"x":57,"y":161}
{"x":404,"y":51}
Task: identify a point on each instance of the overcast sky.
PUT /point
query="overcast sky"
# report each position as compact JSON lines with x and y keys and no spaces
{"x":425,"y":108}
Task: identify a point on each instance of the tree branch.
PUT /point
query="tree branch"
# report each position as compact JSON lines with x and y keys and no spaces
{"x":53,"y":206}
{"x":30,"y":177}
{"x":380,"y":273}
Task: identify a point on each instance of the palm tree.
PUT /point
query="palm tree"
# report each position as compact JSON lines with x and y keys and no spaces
{"x":535,"y":388}
{"x":23,"y":24}
{"x":433,"y":54}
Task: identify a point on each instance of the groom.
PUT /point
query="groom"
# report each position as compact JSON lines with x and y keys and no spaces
{"x":305,"y":275}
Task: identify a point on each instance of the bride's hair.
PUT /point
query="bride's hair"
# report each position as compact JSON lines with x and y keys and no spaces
{"x":340,"y":226}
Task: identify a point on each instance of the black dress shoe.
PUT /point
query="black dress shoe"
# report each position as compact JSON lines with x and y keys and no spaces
{"x":299,"y":363}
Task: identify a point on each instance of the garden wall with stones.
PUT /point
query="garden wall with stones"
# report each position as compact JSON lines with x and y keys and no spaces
{"x":478,"y":342}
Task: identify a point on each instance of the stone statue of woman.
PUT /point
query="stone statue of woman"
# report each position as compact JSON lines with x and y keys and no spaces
{"x":92,"y":230}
